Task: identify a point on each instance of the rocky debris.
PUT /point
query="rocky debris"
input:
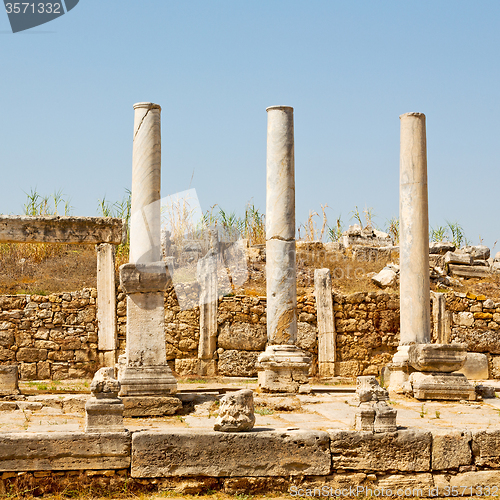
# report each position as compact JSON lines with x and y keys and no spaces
{"x":441,"y":247}
{"x":478,"y":252}
{"x":373,"y":414}
{"x":236,"y":412}
{"x":485,"y":391}
{"x":387,"y":277}
{"x":356,"y":235}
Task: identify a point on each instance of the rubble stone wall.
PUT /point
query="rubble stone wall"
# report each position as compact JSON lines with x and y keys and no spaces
{"x":55,"y":336}
{"x":475,"y":320}
{"x":52,"y":336}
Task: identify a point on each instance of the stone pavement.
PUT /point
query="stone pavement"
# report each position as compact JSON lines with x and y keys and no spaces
{"x":320,"y":410}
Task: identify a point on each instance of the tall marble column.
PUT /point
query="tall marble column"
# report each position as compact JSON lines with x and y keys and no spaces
{"x":145,"y":371}
{"x":414,"y":232}
{"x":419,"y":367}
{"x":282,"y":367}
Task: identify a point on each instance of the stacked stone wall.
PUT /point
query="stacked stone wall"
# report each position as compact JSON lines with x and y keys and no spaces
{"x":52,"y":336}
{"x":475,"y":320}
{"x":55,"y":336}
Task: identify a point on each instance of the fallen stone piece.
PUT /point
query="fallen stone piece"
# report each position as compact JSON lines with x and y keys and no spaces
{"x":441,"y":247}
{"x":104,"y":409}
{"x":478,"y":251}
{"x":9,"y":377}
{"x":458,"y":258}
{"x":469,"y":271}
{"x":64,"y":451}
{"x":236,"y":412}
{"x":404,"y":450}
{"x":218,"y":454}
{"x":385,"y":278}
{"x":485,"y":391}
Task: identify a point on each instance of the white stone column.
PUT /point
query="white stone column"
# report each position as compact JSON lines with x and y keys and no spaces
{"x":415,"y":323}
{"x":106,"y":304}
{"x":283,"y":367}
{"x":145,"y":370}
{"x":326,"y":322}
{"x":414,"y":233}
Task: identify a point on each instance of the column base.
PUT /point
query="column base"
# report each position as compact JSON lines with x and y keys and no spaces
{"x":399,"y":370}
{"x":444,"y":386}
{"x":104,"y":415}
{"x":146,"y":380}
{"x":284,"y":368}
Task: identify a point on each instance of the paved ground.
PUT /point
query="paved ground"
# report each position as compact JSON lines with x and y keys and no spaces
{"x":321,"y":410}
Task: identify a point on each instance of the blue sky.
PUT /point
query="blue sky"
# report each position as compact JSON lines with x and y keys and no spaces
{"x":349,"y":69}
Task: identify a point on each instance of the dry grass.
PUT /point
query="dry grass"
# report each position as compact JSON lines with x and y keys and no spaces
{"x":42,"y":268}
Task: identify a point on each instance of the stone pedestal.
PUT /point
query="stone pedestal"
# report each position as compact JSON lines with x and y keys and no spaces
{"x":144,"y":370}
{"x":446,"y":386}
{"x":434,"y":378}
{"x":104,"y":409}
{"x":373,"y":413}
{"x":9,"y":377}
{"x":283,"y":367}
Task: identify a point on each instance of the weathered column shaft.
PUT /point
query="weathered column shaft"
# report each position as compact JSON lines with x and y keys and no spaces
{"x":280,"y":228}
{"x":207,"y":278}
{"x":145,"y":222}
{"x":106,"y":297}
{"x":326,"y":322}
{"x":414,"y":232}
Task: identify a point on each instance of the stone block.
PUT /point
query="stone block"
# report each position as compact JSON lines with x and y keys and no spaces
{"x":458,"y":258}
{"x":486,"y":448}
{"x":210,"y":453}
{"x":404,"y":450}
{"x":450,"y":449}
{"x":475,"y":366}
{"x":64,"y":451}
{"x":234,"y":363}
{"x":437,"y":357}
{"x":242,"y":336}
{"x":469,"y":271}
{"x":441,"y":247}
{"x":147,"y":277}
{"x":9,"y":377}
{"x":446,"y":386}
{"x":150,"y":406}
{"x":477,"y":484}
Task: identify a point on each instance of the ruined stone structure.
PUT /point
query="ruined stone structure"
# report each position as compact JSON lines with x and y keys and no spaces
{"x":283,"y":367}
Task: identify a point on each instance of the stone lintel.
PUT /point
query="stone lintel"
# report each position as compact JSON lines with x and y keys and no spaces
{"x":437,"y":357}
{"x":64,"y":451}
{"x":61,"y":229}
{"x":219,"y":454}
{"x":144,"y":278}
